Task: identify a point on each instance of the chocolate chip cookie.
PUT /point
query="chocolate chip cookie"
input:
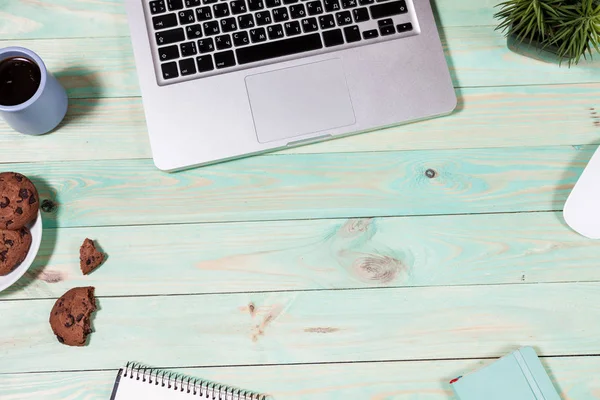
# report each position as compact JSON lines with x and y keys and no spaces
{"x":19,"y":201}
{"x":89,"y":257}
{"x":14,"y":246}
{"x":70,"y":316}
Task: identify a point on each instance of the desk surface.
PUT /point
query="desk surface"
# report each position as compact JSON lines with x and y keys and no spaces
{"x":377,"y":266}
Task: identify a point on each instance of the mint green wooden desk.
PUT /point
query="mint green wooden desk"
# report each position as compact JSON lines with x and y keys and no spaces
{"x":374,"y":267}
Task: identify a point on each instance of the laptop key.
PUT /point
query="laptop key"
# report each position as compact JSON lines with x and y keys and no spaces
{"x":241,"y":38}
{"x":344,"y":18}
{"x":193,"y":31}
{"x":314,"y":8}
{"x":366,"y":2}
{"x":186,"y":17}
{"x":280,"y":14}
{"x":387,"y":30}
{"x":246,"y":21}
{"x":384,"y":22}
{"x":228,"y":25}
{"x":211,"y":28}
{"x":263,"y":17}
{"x":168,"y":53}
{"x":221,"y":10}
{"x":164,"y":21}
{"x":223,"y":42}
{"x":326,"y":21}
{"x":238,"y":7}
{"x":310,"y":25}
{"x":206,"y":45}
{"x":187,"y":67}
{"x":275,"y":32}
{"x":332,"y":5}
{"x":203,"y":14}
{"x":192,"y":3}
{"x":209,"y":1}
{"x":169,"y":70}
{"x":352,"y":34}
{"x":224,"y":59}
{"x":297,"y":11}
{"x":279,"y":48}
{"x":388,"y":9}
{"x":361,"y":14}
{"x":175,"y":4}
{"x":258,"y":35}
{"x":349,"y":3}
{"x":273,"y":3}
{"x":205,"y":63}
{"x":292,"y":28}
{"x":333,"y":38}
{"x":371,"y":34}
{"x":289,"y":1}
{"x":255,"y":5}
{"x":404,"y":27}
{"x":188,"y":49}
{"x":170,"y":36}
{"x":157,"y":7}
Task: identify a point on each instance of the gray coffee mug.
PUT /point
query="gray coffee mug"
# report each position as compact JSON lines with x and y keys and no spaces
{"x":45,"y":109}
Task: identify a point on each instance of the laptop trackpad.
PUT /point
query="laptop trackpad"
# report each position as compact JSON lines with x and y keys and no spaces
{"x":300,"y":100}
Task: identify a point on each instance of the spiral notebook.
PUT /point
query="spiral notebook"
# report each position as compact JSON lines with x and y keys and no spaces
{"x":135,"y":382}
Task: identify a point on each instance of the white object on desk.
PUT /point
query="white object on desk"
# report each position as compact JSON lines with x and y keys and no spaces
{"x":138,"y":382}
{"x":582,"y":209}
{"x":35,"y":229}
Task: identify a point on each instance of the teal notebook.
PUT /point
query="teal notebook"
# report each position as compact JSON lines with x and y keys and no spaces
{"x":517,"y":376}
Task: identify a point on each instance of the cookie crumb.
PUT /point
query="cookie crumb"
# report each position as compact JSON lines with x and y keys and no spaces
{"x":89,"y":257}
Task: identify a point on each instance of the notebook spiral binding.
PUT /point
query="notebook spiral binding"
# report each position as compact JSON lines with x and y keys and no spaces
{"x":194,"y":386}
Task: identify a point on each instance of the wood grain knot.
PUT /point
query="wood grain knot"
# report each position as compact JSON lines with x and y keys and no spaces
{"x":383,"y":269}
{"x":48,"y":206}
{"x":355,"y":226}
{"x":430,"y":173}
{"x":321,"y":330}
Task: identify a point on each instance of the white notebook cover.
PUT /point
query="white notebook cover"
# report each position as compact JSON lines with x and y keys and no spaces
{"x":136,"y":382}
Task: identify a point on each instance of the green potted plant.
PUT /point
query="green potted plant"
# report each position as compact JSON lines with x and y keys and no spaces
{"x":551,"y":30}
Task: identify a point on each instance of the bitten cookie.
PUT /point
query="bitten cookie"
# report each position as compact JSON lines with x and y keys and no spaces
{"x":70,"y":316}
{"x":14,"y":246}
{"x":18,"y":201}
{"x":89,"y":257}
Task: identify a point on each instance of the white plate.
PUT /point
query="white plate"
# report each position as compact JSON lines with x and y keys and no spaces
{"x":36,"y":240}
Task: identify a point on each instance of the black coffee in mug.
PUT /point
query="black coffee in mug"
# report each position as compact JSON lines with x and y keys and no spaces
{"x":19,"y":80}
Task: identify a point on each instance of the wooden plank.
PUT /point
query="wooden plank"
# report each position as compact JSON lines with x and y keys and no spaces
{"x":487,"y":117}
{"x":318,"y":254}
{"x":94,"y":129}
{"x":574,"y":377}
{"x":299,"y":186}
{"x":310,"y":327}
{"x":33,"y":19}
{"x":478,"y":56}
{"x":36,"y":19}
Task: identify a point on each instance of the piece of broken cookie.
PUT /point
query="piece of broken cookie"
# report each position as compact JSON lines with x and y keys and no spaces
{"x":89,"y":257}
{"x":70,"y":316}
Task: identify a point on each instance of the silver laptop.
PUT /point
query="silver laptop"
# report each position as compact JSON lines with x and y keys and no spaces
{"x":222,"y":79}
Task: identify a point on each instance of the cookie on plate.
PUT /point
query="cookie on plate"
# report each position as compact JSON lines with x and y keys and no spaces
{"x":89,"y":257}
{"x":70,"y":316}
{"x":14,"y":246}
{"x":19,"y":201}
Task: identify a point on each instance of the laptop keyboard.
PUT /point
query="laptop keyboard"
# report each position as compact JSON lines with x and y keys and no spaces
{"x":195,"y":38}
